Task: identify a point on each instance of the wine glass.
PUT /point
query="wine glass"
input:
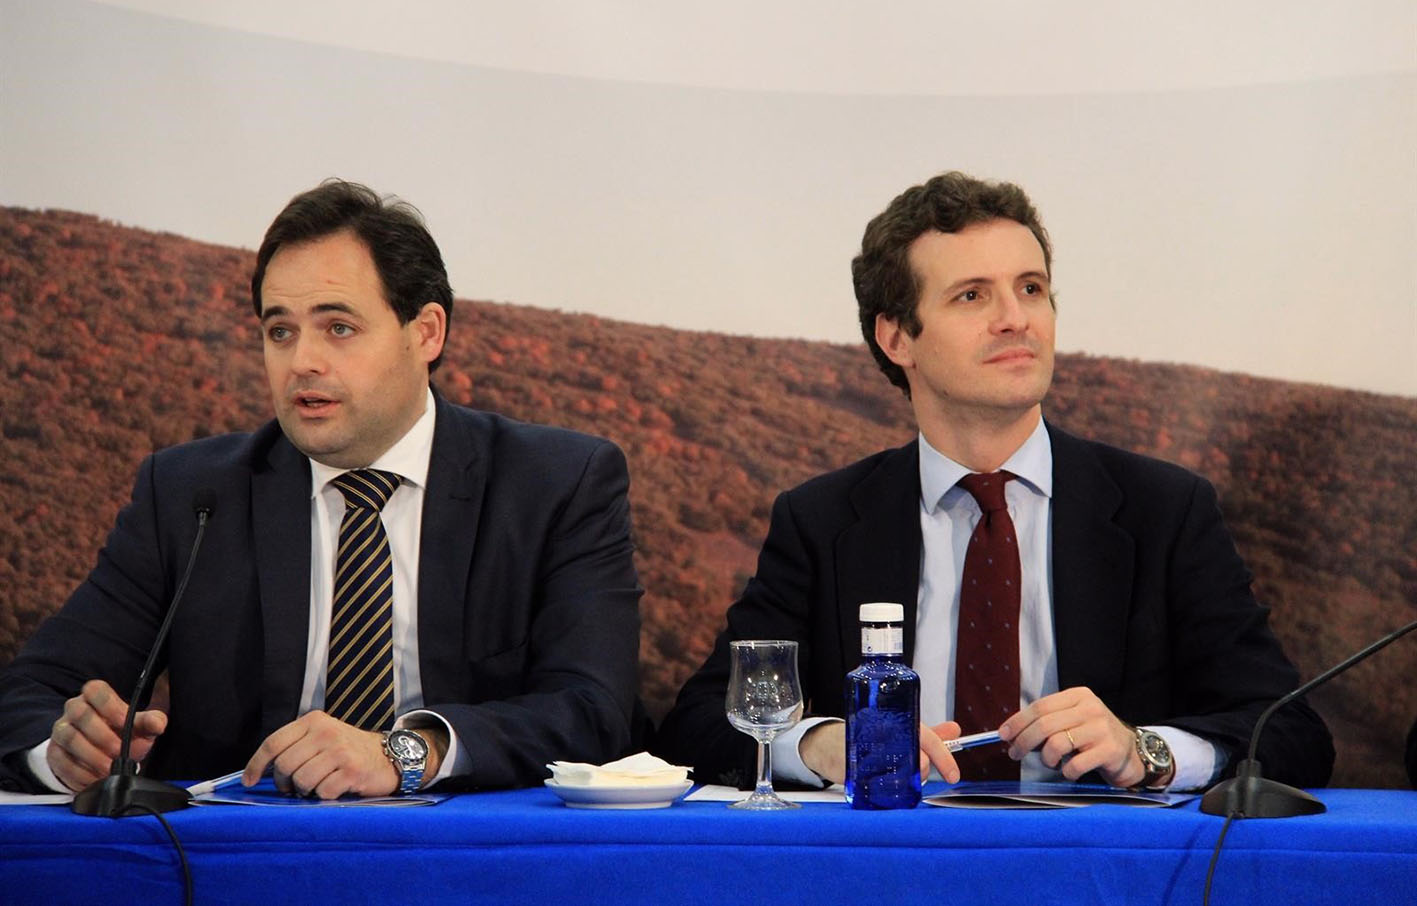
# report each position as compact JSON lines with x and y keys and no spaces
{"x":764,"y":698}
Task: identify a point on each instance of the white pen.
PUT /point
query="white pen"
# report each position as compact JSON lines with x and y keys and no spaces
{"x":969,"y":742}
{"x":210,"y":786}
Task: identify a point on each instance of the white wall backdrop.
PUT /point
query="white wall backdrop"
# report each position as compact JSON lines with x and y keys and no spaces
{"x":1227,"y":184}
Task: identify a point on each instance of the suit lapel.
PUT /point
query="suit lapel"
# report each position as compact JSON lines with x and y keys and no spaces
{"x":280,"y":521}
{"x":1092,"y":569}
{"x":452,"y":504}
{"x":878,"y":557}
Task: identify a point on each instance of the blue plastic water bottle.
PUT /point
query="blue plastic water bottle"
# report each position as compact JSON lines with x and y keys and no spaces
{"x":882,"y":716}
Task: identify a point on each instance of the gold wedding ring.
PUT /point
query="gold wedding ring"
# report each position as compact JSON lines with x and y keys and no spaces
{"x":1072,"y":742}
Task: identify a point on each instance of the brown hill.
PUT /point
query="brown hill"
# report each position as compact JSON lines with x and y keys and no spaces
{"x":117,"y":342}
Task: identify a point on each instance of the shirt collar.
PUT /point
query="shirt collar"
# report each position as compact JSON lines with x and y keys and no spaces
{"x":407,"y":458}
{"x":1032,"y":462}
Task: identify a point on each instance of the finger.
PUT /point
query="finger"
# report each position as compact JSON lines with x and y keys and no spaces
{"x":327,"y":777}
{"x":298,"y":768}
{"x":934,"y":751}
{"x":1037,"y":734}
{"x":307,"y":777}
{"x":948,"y":730}
{"x":149,"y":725}
{"x":1083,"y":761}
{"x":1048,"y":705}
{"x":73,"y":774}
{"x":87,"y":724}
{"x":265,"y":756}
{"x":108,"y":705}
{"x":68,"y":738}
{"x":1063,"y":746}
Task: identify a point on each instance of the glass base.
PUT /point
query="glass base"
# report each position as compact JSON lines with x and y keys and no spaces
{"x":764,"y":801}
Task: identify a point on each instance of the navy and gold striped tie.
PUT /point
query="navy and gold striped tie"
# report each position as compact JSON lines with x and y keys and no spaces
{"x":359,"y":678}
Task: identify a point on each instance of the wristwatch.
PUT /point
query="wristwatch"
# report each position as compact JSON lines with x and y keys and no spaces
{"x":409,"y":753}
{"x":1155,"y":757}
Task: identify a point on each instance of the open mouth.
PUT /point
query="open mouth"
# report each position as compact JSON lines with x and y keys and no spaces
{"x":313,"y":402}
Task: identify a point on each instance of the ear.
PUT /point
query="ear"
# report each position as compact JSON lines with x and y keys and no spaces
{"x":895,"y":342}
{"x":430,"y":330}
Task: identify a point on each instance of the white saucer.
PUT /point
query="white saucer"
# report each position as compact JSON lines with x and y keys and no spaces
{"x":619,"y":796}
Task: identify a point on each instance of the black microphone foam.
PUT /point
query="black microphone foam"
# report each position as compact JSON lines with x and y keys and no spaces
{"x":204,"y":503}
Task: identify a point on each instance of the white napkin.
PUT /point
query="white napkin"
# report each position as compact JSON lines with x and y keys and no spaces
{"x":639,"y":769}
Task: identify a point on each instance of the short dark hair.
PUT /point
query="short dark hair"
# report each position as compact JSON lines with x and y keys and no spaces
{"x":884,"y":281}
{"x":405,"y":255}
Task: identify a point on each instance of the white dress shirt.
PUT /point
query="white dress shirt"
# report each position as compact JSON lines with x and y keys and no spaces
{"x":948,"y":515}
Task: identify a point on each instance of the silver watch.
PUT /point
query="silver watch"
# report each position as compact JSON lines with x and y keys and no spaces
{"x":409,"y":754}
{"x":1155,"y":757}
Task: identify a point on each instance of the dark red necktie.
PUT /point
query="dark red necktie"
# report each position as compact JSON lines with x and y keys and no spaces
{"x":986,"y":652}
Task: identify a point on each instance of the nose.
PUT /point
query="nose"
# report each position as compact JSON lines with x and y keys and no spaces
{"x":1010,"y":316}
{"x":307,"y":355}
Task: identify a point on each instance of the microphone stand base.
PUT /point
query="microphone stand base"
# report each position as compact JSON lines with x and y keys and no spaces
{"x":1248,"y":795}
{"x":119,"y":795}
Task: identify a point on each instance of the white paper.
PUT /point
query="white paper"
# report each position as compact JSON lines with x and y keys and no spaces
{"x":639,"y":769}
{"x":8,"y":798}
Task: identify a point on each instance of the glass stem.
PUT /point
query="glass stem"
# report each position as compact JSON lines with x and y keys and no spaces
{"x":764,"y":787}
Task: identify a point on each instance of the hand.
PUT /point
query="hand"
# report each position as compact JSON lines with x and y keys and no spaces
{"x":86,"y":738}
{"x":317,"y":755}
{"x":1076,"y":733}
{"x":823,"y":750}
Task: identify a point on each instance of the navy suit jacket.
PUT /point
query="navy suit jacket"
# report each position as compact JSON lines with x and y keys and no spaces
{"x":1152,"y":606}
{"x":528,"y":621}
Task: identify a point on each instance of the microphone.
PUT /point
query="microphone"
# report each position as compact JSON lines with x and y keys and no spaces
{"x":123,"y":791}
{"x":1248,"y":794}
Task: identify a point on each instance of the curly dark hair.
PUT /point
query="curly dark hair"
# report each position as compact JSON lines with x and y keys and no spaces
{"x":881,"y":274}
{"x":405,"y":255}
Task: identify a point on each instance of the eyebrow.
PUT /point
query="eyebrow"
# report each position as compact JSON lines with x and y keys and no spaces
{"x":322,"y":308}
{"x":958,"y":285}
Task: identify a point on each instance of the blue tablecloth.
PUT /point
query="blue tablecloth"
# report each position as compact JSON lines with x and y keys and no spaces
{"x":526,"y":846}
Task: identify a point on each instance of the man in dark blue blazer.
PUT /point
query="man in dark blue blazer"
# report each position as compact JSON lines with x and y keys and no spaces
{"x":514,"y":597}
{"x":1144,"y":659}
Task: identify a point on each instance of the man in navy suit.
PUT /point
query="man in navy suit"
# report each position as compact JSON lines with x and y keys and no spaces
{"x":513,"y":620}
{"x":1143,"y":659}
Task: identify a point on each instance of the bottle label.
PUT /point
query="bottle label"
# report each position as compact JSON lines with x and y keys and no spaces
{"x":882,"y":640}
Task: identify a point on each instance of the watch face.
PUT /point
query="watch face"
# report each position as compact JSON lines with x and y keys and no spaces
{"x":1155,"y":750}
{"x":407,"y":746}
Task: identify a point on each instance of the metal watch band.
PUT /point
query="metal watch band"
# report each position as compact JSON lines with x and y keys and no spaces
{"x":410,"y":772}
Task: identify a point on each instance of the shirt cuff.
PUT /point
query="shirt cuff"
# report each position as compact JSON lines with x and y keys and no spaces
{"x":457,"y":760}
{"x":1197,"y":761}
{"x":787,"y":761}
{"x":37,"y":760}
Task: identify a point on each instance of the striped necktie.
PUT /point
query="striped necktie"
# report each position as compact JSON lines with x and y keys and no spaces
{"x":359,"y":677}
{"x":986,"y":644}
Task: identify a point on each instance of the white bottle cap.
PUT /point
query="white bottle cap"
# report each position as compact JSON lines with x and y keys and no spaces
{"x":882,"y":613}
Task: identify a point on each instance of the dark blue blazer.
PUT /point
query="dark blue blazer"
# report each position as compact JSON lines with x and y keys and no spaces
{"x":1152,"y":606}
{"x":528,"y":623}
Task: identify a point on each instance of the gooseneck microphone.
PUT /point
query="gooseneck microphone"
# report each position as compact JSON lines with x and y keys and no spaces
{"x":1248,"y":794}
{"x":123,"y":792}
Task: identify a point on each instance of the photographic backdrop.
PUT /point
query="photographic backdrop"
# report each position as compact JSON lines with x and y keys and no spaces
{"x":649,"y":211}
